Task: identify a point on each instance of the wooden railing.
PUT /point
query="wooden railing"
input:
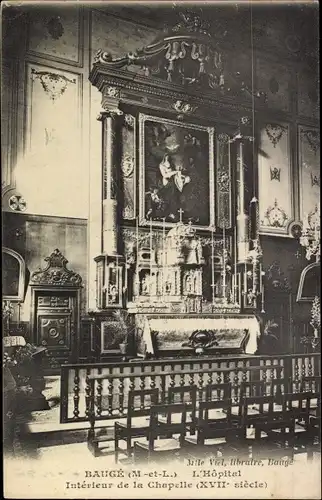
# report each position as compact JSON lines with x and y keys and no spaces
{"x":104,"y":387}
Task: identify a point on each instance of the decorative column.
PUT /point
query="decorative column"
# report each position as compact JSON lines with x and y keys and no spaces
{"x":242,"y":217}
{"x":110,"y":264}
{"x":109,"y":183}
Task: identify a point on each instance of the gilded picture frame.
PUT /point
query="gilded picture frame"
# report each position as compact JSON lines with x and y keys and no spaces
{"x":176,"y":173}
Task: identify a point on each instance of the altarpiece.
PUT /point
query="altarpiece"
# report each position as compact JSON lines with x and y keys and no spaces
{"x":179,"y":227}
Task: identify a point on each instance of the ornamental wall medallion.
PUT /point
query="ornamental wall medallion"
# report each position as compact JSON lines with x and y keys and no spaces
{"x":129,"y":120}
{"x":17,"y":203}
{"x":111,"y":92}
{"x":55,"y":28}
{"x":223,"y":138}
{"x":313,"y":139}
{"x":275,"y":132}
{"x":275,"y":216}
{"x":313,"y":218}
{"x":275,"y":174}
{"x":53,"y":84}
{"x":184,"y":107}
{"x":127,"y":165}
{"x":315,"y":180}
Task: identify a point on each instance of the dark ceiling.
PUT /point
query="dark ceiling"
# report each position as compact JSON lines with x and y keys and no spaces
{"x":233,"y":21}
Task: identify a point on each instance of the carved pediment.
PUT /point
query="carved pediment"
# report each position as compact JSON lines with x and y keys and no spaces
{"x":56,"y":272}
{"x":185,"y":54}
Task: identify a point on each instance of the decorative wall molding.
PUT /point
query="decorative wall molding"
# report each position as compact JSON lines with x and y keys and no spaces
{"x":275,"y":132}
{"x":275,"y":167}
{"x":275,"y":174}
{"x":54,"y":84}
{"x":276,"y":216}
{"x":55,"y":37}
{"x":312,"y":137}
{"x":56,"y":272}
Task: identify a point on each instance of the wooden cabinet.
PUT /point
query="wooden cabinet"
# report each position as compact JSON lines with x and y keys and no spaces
{"x":55,"y":308}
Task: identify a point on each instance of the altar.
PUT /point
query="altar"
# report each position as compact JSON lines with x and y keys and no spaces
{"x":178,"y":251}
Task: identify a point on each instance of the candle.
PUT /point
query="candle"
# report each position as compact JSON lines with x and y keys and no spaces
{"x":137,"y":239}
{"x":224,"y":263}
{"x":151,"y":256}
{"x":235,"y":266}
{"x":117,"y":279}
{"x":245,"y":280}
{"x":125,"y":273}
{"x":260,"y":278}
{"x":263,"y":301}
{"x":163,"y":256}
{"x":212,"y":266}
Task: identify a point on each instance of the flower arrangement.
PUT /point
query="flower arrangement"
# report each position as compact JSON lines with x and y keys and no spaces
{"x":316,"y":315}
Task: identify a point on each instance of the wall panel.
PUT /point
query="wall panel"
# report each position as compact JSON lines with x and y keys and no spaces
{"x":275,"y":179}
{"x":309,"y":166}
{"x":56,"y":34}
{"x":52,"y":175}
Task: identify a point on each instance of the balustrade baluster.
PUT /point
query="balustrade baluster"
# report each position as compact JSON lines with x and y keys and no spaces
{"x":153,"y":383}
{"x":88,"y":394}
{"x":99,"y":390}
{"x":296,"y":378}
{"x":110,"y":394}
{"x":235,"y":386}
{"x":142,"y":387}
{"x":163,"y":388}
{"x":272,"y":376}
{"x":201,"y":384}
{"x":76,"y":390}
{"x":131,"y":385}
{"x":264,"y":378}
{"x":121,"y":392}
{"x":182,"y":379}
{"x":303,"y":367}
{"x":310,"y":366}
{"x":191,"y":375}
{"x":91,"y":411}
{"x":210,"y":374}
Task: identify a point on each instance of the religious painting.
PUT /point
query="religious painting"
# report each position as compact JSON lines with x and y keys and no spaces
{"x":176,"y":172}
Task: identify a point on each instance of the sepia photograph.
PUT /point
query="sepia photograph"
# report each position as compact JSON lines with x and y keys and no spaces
{"x":161,"y":249}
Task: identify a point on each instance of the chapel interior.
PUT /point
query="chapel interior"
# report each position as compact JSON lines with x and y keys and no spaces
{"x":161,"y":225}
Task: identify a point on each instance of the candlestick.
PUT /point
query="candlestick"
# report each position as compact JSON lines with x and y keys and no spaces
{"x":151,"y":256}
{"x":235,"y":263}
{"x":125,"y":273}
{"x":263,"y":301}
{"x":117,"y":279}
{"x":137,"y":239}
{"x":245,"y":281}
{"x":212,"y":266}
{"x":224,"y":263}
{"x":163,"y":255}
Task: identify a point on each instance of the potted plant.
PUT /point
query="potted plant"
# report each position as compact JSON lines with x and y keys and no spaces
{"x":127,"y":330}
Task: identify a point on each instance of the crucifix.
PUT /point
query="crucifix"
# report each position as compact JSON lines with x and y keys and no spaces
{"x":298,"y":254}
{"x":180,"y":215}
